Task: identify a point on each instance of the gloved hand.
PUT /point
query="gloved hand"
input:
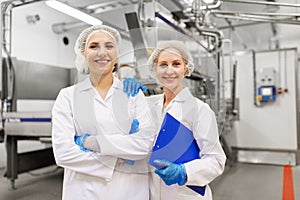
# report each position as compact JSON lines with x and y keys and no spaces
{"x":131,"y":86}
{"x":79,"y":140}
{"x":170,"y":173}
{"x":134,"y":128}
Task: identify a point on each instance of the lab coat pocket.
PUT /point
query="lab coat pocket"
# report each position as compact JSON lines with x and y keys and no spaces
{"x":73,"y":190}
{"x":188,"y":194}
{"x":80,"y":186}
{"x":191,"y":197}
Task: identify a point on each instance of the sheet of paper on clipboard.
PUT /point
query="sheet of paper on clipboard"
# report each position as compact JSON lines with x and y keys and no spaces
{"x":176,"y":143}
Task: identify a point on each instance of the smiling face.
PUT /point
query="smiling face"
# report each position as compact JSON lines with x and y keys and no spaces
{"x":170,"y":69}
{"x":101,"y":53}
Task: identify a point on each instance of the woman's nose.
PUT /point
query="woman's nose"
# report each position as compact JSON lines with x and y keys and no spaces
{"x":101,"y":51}
{"x":170,"y":69}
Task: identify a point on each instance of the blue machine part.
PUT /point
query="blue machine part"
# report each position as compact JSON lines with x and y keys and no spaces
{"x":267,"y":93}
{"x":28,"y":119}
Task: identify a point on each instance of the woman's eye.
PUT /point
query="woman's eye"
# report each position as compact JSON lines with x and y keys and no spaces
{"x":177,"y":64}
{"x":93,"y":46}
{"x":163,"y":65}
{"x":109,"y":46}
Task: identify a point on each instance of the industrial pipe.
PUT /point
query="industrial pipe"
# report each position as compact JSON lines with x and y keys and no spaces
{"x":257,"y":19}
{"x":263,"y":3}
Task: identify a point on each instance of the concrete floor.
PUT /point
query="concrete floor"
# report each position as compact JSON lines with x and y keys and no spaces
{"x":253,"y":181}
{"x":42,"y":184}
{"x":242,"y":182}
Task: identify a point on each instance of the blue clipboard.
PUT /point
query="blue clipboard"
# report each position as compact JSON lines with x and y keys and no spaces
{"x":175,"y":143}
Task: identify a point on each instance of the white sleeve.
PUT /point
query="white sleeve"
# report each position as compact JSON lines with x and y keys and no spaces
{"x":202,"y":171}
{"x":67,"y":153}
{"x":135,"y":146}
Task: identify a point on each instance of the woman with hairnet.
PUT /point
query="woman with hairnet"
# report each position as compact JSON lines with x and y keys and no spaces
{"x":170,"y":62}
{"x":106,"y":160}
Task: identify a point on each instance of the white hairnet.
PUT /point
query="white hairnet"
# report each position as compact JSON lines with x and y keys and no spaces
{"x":172,"y":44}
{"x":80,"y":45}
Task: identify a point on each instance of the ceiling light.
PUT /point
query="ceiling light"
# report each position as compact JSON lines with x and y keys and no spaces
{"x":64,"y":8}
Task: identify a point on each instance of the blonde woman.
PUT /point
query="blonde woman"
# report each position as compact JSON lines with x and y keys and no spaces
{"x":170,"y":62}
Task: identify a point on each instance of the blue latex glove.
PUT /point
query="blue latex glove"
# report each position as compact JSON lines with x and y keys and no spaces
{"x":131,"y":86}
{"x":134,"y":128}
{"x":170,"y":173}
{"x":79,"y":140}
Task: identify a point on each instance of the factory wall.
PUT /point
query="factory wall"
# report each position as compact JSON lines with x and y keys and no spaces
{"x":270,"y":125}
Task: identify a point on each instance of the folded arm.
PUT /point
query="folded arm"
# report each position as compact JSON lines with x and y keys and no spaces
{"x":67,"y":153}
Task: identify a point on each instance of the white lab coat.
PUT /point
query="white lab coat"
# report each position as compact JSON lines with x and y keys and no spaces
{"x":94,"y":176}
{"x":199,"y":118}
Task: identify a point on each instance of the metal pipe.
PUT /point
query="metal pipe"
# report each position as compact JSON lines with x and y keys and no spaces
{"x":64,"y":27}
{"x":232,"y":71}
{"x":22,"y":3}
{"x":254,"y":79}
{"x":215,"y":6}
{"x":233,"y":89}
{"x":101,"y":5}
{"x":256,"y":13}
{"x":206,"y":7}
{"x":111,"y":5}
{"x":213,"y":33}
{"x":285,"y":88}
{"x":197,"y":11}
{"x":229,"y":42}
{"x":264,"y":17}
{"x":258,"y":19}
{"x":211,"y":6}
{"x":216,"y":35}
{"x":6,"y":9}
{"x":10,"y":32}
{"x":279,"y":71}
{"x":240,"y":25}
{"x":250,"y":15}
{"x":263,"y":3}
{"x":18,"y":2}
{"x":217,"y":84}
{"x":1,"y":72}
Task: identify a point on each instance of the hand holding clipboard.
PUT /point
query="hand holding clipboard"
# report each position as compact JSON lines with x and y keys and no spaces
{"x":176,"y":144}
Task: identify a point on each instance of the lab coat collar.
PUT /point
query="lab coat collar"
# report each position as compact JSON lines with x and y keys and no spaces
{"x":159,"y":99}
{"x":117,"y":84}
{"x":86,"y":84}
{"x":183,"y":95}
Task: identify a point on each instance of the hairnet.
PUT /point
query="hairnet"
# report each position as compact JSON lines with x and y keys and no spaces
{"x":80,"y":45}
{"x":172,"y":44}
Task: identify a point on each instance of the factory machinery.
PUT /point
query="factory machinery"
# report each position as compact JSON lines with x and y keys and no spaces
{"x":221,"y":78}
{"x":33,"y":85}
